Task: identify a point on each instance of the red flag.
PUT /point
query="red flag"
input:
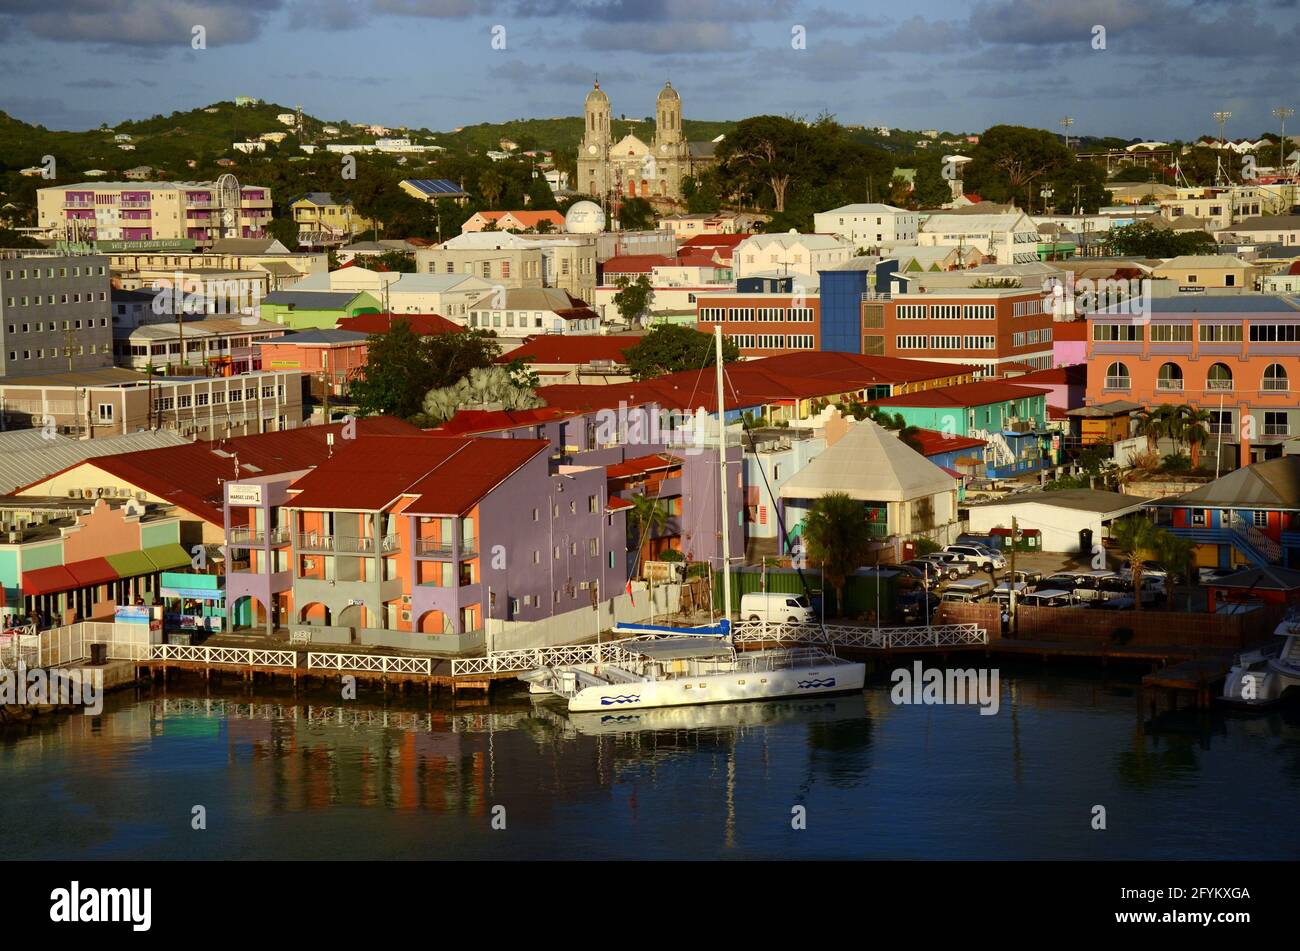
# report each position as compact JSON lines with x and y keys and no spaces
{"x":629,"y":591}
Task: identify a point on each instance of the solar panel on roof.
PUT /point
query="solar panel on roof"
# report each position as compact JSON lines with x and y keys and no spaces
{"x":435,"y":186}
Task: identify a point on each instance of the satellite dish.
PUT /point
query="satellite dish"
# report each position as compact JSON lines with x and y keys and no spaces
{"x":584,"y":217}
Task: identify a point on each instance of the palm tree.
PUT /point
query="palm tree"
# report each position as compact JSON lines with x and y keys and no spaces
{"x":1193,"y":426}
{"x":648,"y":514}
{"x":1136,"y":536}
{"x":1157,"y":424}
{"x":838,"y":538}
{"x":909,"y":437}
{"x":1178,"y":555}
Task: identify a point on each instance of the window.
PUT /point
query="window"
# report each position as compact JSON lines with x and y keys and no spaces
{"x":1220,"y":333}
{"x":1117,"y":377}
{"x":1274,"y":333}
{"x":1170,"y":377}
{"x":1276,"y":423}
{"x":1260,"y":519}
{"x":105,"y":412}
{"x":1220,"y":422}
{"x":1171,"y":333}
{"x":1116,"y":333}
{"x":910,"y":342}
{"x":1275,"y":378}
{"x":1219,"y":377}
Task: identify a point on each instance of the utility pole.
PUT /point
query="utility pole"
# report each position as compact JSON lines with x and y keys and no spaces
{"x":1011,"y":593}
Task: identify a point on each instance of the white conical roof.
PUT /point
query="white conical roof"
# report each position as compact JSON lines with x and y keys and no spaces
{"x":870,"y":464}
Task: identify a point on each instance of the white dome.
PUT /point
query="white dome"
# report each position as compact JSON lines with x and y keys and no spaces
{"x":584,"y":217}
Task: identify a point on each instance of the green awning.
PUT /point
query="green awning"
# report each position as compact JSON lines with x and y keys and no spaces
{"x":167,"y":556}
{"x":130,"y":564}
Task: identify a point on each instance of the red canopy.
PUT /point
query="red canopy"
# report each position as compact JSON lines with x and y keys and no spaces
{"x":92,"y":571}
{"x":48,"y":580}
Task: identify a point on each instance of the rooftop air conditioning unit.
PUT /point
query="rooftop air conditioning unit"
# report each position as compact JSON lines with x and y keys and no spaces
{"x":15,"y":537}
{"x":87,"y":493}
{"x":140,"y":496}
{"x":73,"y":493}
{"x":406,"y":615}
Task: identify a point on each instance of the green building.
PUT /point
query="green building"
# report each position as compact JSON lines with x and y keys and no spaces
{"x":316,"y":310}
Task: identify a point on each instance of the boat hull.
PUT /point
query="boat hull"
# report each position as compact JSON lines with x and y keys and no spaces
{"x":731,"y":687}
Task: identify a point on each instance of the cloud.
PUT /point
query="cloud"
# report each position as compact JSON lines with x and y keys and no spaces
{"x":717,"y":12}
{"x":703,"y":37}
{"x":151,"y":23}
{"x":437,"y":9}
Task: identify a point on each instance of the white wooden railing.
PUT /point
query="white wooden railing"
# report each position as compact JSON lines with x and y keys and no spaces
{"x":744,"y":632}
{"x":376,"y":663}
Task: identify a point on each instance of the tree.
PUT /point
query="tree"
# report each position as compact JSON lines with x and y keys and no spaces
{"x":1194,"y":430}
{"x":635,"y":214}
{"x":671,"y":348}
{"x":1156,"y":424}
{"x":490,"y":185}
{"x":1142,"y":239}
{"x":1136,"y":536}
{"x":911,"y":436}
{"x":284,"y":230}
{"x":396,"y":374}
{"x":930,"y":189}
{"x":398,"y":261}
{"x":1010,"y":161}
{"x":648,"y":515}
{"x":401,"y":368}
{"x":838,"y":539}
{"x":633,"y":297}
{"x":1178,"y":556}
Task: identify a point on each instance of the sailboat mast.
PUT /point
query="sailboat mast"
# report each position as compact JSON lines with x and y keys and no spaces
{"x":722,"y":476}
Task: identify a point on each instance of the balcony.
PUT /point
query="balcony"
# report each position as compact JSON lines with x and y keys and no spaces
{"x":436,"y":548}
{"x":1218,"y":385}
{"x":1275,"y":386}
{"x":1169,"y":385}
{"x":1118,"y":383}
{"x":133,"y":203}
{"x":348,"y":544}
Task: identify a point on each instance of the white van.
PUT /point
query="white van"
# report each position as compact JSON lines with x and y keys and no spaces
{"x":776,"y":607}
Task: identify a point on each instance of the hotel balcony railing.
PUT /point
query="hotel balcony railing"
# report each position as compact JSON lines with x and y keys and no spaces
{"x":347,"y":544}
{"x":75,"y":203}
{"x":133,"y":203}
{"x":198,"y":202}
{"x":435,"y":548}
{"x":1275,"y":386}
{"x":1218,"y":384}
{"x":246,"y":535}
{"x":1119,"y":383}
{"x":1169,"y":384}
{"x":1277,"y":429}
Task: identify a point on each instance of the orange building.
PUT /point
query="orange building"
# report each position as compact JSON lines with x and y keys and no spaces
{"x":1230,"y":356}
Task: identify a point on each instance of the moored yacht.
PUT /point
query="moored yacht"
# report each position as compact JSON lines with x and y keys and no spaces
{"x":1263,"y":675}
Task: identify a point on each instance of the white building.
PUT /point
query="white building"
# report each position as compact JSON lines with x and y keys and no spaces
{"x":449,"y":295}
{"x":527,"y":311}
{"x":1058,"y":516}
{"x":868,"y":225}
{"x":790,"y":253}
{"x":1010,"y":238}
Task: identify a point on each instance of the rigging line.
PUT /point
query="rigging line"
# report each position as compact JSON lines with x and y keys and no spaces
{"x":780,"y":522}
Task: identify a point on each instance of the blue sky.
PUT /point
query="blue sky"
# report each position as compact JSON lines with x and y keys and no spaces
{"x":1166,"y":65}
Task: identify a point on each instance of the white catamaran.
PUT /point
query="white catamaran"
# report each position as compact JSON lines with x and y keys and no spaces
{"x":670,"y":667}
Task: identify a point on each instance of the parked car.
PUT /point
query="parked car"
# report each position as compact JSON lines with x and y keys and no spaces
{"x":911,"y":573}
{"x":1084,"y":585}
{"x":917,"y":607}
{"x":949,"y":565}
{"x":1002,"y":593}
{"x":1208,"y":575}
{"x":983,"y":558}
{"x":1049,"y":598}
{"x":1030,"y":578}
{"x":970,"y":589}
{"x":775,"y":606}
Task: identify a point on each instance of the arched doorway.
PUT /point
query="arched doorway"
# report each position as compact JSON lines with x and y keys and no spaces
{"x":248,"y":613}
{"x":314,"y":612}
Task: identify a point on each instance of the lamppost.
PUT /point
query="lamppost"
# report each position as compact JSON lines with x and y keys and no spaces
{"x":1282,"y":113}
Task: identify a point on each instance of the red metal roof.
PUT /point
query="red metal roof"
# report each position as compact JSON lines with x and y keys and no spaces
{"x":470,"y":422}
{"x":979,"y":393}
{"x":636,"y":263}
{"x":576,"y":350}
{"x":642,"y":465}
{"x":1073,"y":374}
{"x":783,"y":378}
{"x":933,"y":442}
{"x":447,"y":474}
{"x":714,"y":240}
{"x":1070,"y":330}
{"x":615,"y":504}
{"x":192,"y":476}
{"x":422,"y":325}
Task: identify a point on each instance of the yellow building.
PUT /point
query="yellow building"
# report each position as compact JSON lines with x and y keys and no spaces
{"x":1209,"y":270}
{"x":324,"y":221}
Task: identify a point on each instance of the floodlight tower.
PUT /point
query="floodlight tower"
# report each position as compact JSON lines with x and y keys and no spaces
{"x":1065,"y":129}
{"x":1222,"y":119}
{"x":1282,"y":113}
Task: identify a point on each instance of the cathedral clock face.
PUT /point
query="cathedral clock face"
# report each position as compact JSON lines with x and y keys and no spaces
{"x":663,"y":148}
{"x":591,"y":149}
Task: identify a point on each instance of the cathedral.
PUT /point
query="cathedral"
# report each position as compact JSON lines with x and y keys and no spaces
{"x":631,"y":167}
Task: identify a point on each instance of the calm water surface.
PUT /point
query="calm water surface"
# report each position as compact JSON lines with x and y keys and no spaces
{"x":310,"y":778}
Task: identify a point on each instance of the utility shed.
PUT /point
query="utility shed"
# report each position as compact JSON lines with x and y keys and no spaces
{"x":1059,"y":516}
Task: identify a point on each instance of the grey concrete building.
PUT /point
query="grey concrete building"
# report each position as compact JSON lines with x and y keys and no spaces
{"x":54,"y":312}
